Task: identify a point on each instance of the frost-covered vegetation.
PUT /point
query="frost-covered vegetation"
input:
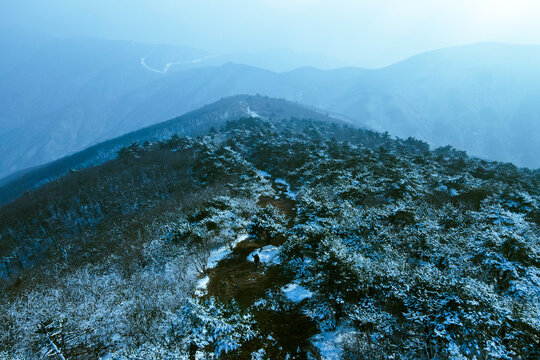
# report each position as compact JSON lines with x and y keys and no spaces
{"x":367,"y":247}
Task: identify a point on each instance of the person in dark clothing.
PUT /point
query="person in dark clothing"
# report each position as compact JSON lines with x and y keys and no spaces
{"x":192,"y":351}
{"x":256,"y":259}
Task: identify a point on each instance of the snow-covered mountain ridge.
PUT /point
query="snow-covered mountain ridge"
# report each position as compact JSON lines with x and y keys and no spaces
{"x":276,"y":237}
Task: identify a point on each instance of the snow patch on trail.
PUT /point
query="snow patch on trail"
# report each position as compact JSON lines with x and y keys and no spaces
{"x":239,"y":239}
{"x":221,"y":253}
{"x":296,"y":293}
{"x":267,"y":255}
{"x":289,"y":193}
{"x":264,"y":174}
{"x":202,"y":285}
{"x":215,"y":257}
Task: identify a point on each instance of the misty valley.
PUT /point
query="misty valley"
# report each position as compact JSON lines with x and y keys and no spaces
{"x":162,"y":202}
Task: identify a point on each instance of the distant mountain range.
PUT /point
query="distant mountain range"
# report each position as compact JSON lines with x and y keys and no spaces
{"x":194,"y":123}
{"x":59,"y":96}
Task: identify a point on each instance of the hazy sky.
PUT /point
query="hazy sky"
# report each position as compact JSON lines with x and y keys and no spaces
{"x":364,"y":33}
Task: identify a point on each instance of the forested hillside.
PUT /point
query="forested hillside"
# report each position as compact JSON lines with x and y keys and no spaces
{"x":60,"y":96}
{"x":194,"y":123}
{"x":282,"y":239}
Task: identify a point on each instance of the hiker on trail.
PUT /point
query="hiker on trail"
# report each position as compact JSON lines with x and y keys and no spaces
{"x":256,"y":259}
{"x":192,"y":351}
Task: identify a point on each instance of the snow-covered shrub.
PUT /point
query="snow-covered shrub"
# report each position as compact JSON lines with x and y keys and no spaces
{"x":267,"y":224}
{"x":335,"y":275}
{"x":212,"y":326}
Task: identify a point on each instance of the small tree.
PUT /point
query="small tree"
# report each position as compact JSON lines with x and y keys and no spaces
{"x":267,"y":224}
{"x":336,"y":277}
{"x":213,"y":326}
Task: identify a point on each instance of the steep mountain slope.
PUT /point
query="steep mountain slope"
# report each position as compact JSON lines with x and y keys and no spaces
{"x":281,"y":238}
{"x":192,"y":124}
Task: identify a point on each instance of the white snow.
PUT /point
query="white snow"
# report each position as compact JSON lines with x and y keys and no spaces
{"x":221,"y":253}
{"x":241,"y":237}
{"x":171,"y":64}
{"x":330,"y":343}
{"x":290,"y":194}
{"x":258,"y":355}
{"x":215,"y":257}
{"x":296,"y":293}
{"x":252,"y":113}
{"x":267,"y":255}
{"x":202,"y":284}
{"x":263,"y":174}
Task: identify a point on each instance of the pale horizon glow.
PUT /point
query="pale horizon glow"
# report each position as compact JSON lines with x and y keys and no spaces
{"x":361,"y":33}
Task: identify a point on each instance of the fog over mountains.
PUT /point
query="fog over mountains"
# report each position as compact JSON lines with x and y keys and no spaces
{"x":193,"y":180}
{"x":59,"y":96}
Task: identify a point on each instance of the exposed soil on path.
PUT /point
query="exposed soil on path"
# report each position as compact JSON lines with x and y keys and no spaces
{"x":283,"y":328}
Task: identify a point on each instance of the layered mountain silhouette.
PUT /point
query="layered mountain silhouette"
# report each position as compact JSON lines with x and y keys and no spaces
{"x":59,"y":96}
